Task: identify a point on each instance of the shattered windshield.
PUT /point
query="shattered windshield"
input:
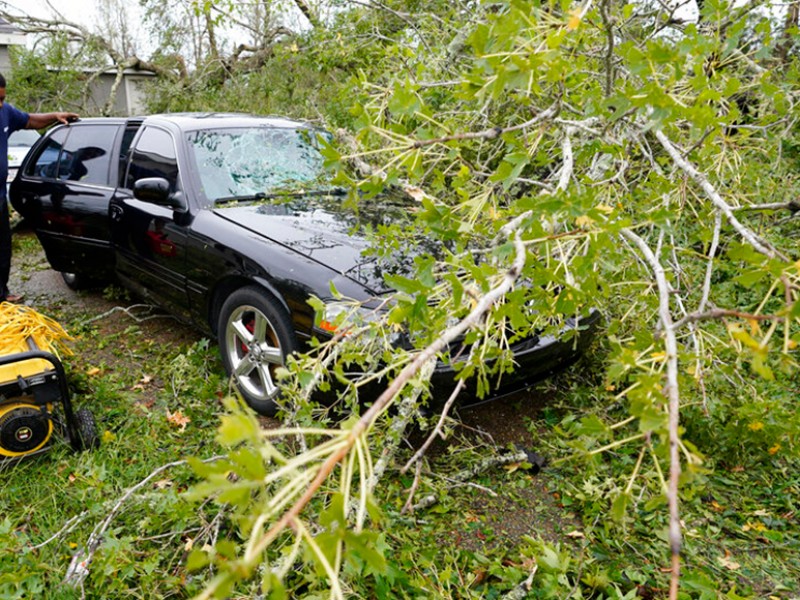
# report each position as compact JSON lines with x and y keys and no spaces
{"x":255,"y":161}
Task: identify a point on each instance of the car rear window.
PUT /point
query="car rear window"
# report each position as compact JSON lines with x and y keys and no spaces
{"x":86,"y":156}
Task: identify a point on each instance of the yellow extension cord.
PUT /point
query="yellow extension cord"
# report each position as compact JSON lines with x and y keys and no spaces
{"x":18,"y":324}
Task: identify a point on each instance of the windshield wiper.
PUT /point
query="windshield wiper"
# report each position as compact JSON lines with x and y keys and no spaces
{"x":334,"y":191}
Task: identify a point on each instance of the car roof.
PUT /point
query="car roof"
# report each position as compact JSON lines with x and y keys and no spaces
{"x":204,"y":120}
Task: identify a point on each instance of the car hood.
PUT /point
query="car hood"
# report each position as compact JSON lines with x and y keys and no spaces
{"x":327,"y":230}
{"x":16,"y":154}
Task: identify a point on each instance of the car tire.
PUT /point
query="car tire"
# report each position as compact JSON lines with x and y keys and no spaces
{"x":255,"y":337}
{"x":76,"y":281}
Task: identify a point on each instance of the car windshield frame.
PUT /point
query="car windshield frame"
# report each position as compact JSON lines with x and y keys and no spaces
{"x":251,"y":163}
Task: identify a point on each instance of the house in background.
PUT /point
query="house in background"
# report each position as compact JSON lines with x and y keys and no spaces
{"x":9,"y":36}
{"x":130,"y":98}
{"x":130,"y":94}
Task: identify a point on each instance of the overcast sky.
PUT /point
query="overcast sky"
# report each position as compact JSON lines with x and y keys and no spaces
{"x":79,"y":11}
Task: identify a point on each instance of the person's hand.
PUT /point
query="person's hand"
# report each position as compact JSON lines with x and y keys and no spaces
{"x":66,"y":117}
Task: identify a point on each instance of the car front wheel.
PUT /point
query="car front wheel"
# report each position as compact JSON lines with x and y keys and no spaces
{"x":255,"y":337}
{"x":75,"y":281}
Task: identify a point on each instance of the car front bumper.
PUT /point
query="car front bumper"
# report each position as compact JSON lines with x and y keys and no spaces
{"x":535,"y":358}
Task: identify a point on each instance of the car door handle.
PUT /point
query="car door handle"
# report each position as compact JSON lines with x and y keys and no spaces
{"x":116,"y":213}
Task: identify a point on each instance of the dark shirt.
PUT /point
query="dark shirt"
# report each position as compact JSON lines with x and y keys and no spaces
{"x":11,"y":119}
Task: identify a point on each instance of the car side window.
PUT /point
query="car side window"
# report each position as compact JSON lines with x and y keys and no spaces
{"x":154,"y":156}
{"x":86,"y":156}
{"x":46,"y":163}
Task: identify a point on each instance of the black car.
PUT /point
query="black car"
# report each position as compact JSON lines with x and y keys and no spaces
{"x":180,"y":209}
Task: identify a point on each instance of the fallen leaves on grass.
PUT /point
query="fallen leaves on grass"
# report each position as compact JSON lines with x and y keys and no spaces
{"x":727,"y":562}
{"x":139,"y":386}
{"x":178,"y":419}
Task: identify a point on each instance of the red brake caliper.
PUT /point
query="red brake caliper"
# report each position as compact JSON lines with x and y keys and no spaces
{"x":251,"y":327}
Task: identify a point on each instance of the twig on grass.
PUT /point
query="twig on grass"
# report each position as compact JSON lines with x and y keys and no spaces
{"x":417,"y":476}
{"x":436,"y":430}
{"x":463,"y":476}
{"x":68,"y":526}
{"x":129,"y":311}
{"x":521,"y":591}
{"x":78,"y":568}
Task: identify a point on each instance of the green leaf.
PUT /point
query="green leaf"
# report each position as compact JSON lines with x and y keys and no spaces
{"x":750,"y":278}
{"x":760,"y":366}
{"x":699,"y":582}
{"x":652,"y":419}
{"x":333,"y":516}
{"x":552,"y":561}
{"x":197,"y":559}
{"x":592,"y":426}
{"x":235,"y":494}
{"x":404,"y":284}
{"x":619,"y":506}
{"x":404,"y":100}
{"x":237,"y":428}
{"x":363,"y":545}
{"x":250,"y":463}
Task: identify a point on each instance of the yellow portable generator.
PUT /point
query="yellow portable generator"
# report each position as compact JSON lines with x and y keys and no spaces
{"x":35,"y":407}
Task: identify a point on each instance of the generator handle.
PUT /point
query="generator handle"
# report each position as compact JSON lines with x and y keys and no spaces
{"x":69,"y":416}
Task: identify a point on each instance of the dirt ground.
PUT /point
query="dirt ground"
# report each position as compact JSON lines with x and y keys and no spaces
{"x":532,"y":509}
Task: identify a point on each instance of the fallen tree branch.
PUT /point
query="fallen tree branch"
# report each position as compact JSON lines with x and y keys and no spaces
{"x":436,"y":430}
{"x":408,"y":408}
{"x":463,"y":476}
{"x":492,"y":132}
{"x":719,"y":313}
{"x":357,"y":431}
{"x":745,"y":232}
{"x":673,"y":395}
{"x":78,"y":568}
{"x":793,"y":206}
{"x":150,"y":308}
{"x":408,"y":506}
{"x":712,"y":252}
{"x":68,"y":526}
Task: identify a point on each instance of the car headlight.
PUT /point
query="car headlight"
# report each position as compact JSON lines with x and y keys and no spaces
{"x":339,"y":316}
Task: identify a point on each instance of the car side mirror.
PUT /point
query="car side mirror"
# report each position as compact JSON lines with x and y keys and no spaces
{"x":156,"y":191}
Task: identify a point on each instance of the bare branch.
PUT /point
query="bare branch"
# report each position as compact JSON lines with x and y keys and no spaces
{"x":436,"y":430}
{"x":78,"y":568}
{"x":712,"y":252}
{"x":673,"y":395}
{"x":462,"y":476}
{"x":719,"y":313}
{"x":492,"y":132}
{"x":745,"y":232}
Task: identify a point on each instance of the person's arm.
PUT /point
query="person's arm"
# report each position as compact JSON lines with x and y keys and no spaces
{"x":41,"y":120}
